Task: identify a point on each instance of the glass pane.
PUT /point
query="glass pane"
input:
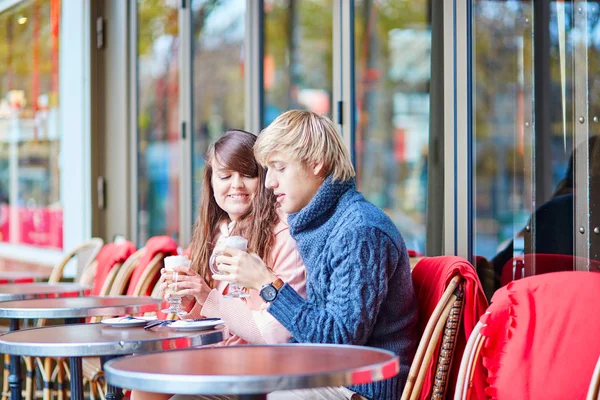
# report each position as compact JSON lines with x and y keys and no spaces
{"x":525,"y":207}
{"x":503,"y":129}
{"x":30,"y":202}
{"x":218,"y":76}
{"x":392,"y":100}
{"x":298,"y":57}
{"x":548,"y":235}
{"x":158,"y":118}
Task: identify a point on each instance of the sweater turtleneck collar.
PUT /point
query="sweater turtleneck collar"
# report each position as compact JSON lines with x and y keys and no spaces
{"x":321,"y":205}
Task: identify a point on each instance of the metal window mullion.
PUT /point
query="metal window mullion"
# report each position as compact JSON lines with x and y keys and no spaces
{"x":348,"y":87}
{"x":542,"y":86}
{"x":449,"y":236}
{"x":337,"y":55}
{"x":462,"y":128}
{"x":186,"y":128}
{"x":526,"y":82}
{"x":253,"y":63}
{"x":581,"y":107}
{"x":133,"y":163}
{"x":343,"y":71}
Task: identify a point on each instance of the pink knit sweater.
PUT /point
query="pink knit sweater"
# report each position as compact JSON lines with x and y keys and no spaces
{"x":248,"y":320}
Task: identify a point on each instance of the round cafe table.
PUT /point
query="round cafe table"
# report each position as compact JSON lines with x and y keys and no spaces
{"x":251,"y":372}
{"x":7,"y":277}
{"x":31,"y":291}
{"x":72,"y":310}
{"x":83,"y":340}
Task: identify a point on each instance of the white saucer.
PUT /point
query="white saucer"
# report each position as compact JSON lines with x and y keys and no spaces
{"x":195,"y":325}
{"x":128,"y":322}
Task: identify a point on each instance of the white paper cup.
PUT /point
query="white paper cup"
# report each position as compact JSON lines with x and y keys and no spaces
{"x":176,"y":261}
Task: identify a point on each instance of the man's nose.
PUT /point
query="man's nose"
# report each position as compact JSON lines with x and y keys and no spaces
{"x":269,"y":181}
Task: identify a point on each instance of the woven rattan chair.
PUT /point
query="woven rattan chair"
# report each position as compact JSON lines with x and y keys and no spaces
{"x":114,"y":285}
{"x":594,"y":391}
{"x":467,"y":364}
{"x":88,"y":274}
{"x":149,"y":276}
{"x":520,"y":333}
{"x":92,"y":368}
{"x":446,"y":354}
{"x":445,"y":320}
{"x":121,"y":281}
{"x":84,"y":256}
{"x":54,"y":369}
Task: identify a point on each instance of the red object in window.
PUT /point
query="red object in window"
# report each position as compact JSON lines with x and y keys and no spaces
{"x":414,"y":253}
{"x":41,"y":226}
{"x":399,"y":145}
{"x":536,"y":264}
{"x":4,"y":222}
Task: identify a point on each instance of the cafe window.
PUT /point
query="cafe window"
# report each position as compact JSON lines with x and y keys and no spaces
{"x":31,"y":211}
{"x":297,"y":65}
{"x":218,"y":78}
{"x":158,"y":169}
{"x":392,"y":60}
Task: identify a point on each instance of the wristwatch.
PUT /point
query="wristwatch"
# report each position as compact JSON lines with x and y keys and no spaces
{"x":269,"y":291}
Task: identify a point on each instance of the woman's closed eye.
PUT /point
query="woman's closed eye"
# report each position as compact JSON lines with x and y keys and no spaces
{"x":224,"y":177}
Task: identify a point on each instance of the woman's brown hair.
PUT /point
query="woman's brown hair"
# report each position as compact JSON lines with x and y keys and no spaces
{"x":234,"y":151}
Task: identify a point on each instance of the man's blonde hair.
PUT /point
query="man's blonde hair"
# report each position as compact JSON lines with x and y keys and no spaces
{"x":309,"y":138}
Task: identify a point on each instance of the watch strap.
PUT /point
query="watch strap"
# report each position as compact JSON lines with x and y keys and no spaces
{"x":277,"y":284}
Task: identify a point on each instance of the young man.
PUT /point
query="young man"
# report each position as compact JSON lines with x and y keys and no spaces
{"x":359,"y":287}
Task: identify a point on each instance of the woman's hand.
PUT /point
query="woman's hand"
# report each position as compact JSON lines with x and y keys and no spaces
{"x":245,"y":269}
{"x":189,"y":285}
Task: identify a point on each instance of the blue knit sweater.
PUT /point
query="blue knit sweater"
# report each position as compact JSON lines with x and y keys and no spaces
{"x":359,"y":287}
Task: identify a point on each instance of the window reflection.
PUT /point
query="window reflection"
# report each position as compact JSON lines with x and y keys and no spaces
{"x":218,"y":76}
{"x":30,"y":207}
{"x":524,"y":232}
{"x":393,"y":65}
{"x":503,"y":57}
{"x":298,"y":57}
{"x":158,"y":118}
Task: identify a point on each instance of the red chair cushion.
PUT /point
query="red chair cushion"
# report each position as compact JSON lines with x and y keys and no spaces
{"x":154,"y":245}
{"x":542,"y":337}
{"x":110,"y":255}
{"x":431,"y":276}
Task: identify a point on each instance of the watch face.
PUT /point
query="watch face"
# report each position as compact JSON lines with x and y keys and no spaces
{"x":268,"y":293}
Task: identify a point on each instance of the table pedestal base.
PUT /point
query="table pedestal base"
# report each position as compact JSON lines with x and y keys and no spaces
{"x":76,"y":378}
{"x":75,"y":366}
{"x":112,"y":392}
{"x":14,"y":379}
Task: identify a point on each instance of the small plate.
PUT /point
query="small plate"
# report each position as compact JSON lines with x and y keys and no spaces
{"x":128,"y":322}
{"x":195,"y":325}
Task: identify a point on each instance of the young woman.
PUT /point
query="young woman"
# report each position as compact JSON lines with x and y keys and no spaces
{"x":235,"y":201}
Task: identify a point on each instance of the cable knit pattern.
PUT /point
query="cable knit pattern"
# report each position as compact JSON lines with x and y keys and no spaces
{"x":359,"y":287}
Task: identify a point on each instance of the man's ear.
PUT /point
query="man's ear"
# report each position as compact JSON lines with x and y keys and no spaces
{"x":317,"y":168}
